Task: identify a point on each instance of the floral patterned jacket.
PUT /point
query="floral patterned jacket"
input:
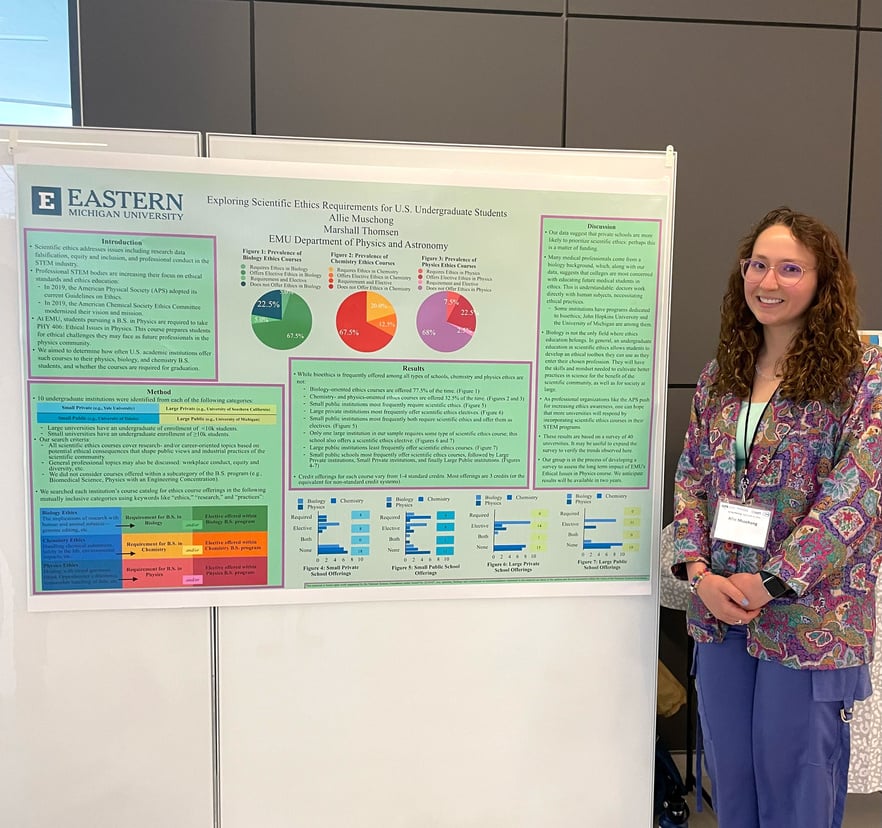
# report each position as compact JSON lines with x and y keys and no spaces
{"x":820,"y":466}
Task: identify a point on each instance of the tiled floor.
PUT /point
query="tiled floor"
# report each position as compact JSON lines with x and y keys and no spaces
{"x":861,"y":810}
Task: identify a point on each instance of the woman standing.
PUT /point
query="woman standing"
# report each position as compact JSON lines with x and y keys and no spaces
{"x":777,"y":529}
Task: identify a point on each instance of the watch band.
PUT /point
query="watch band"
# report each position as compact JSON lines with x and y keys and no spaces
{"x":773,"y":584}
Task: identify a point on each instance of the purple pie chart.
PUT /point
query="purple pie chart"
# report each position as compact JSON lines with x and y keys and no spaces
{"x":446,"y":321}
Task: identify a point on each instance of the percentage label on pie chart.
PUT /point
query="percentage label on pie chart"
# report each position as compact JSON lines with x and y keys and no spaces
{"x":366,"y":321}
{"x":446,"y":321}
{"x":281,"y":320}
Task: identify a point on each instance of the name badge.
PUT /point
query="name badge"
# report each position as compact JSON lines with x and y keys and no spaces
{"x":746,"y":524}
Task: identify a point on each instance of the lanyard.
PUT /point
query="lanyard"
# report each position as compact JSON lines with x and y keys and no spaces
{"x":744,"y":482}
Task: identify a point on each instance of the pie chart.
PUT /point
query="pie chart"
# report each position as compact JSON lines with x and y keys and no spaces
{"x":446,"y":321}
{"x":281,"y":320}
{"x":366,"y":321}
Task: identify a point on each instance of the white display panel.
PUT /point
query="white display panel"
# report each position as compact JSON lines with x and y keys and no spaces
{"x":449,"y":383}
{"x":105,"y":718}
{"x":505,"y":713}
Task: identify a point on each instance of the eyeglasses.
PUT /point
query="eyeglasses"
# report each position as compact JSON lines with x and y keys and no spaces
{"x":787,"y":273}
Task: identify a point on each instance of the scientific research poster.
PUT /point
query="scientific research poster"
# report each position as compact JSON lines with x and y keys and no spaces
{"x":255,"y":383}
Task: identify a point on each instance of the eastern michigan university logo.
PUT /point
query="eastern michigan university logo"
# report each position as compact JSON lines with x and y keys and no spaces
{"x":46,"y":201}
{"x":107,"y":204}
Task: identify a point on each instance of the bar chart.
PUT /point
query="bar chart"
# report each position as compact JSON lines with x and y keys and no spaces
{"x":427,"y":533}
{"x":396,"y":538}
{"x":521,"y":534}
{"x":611,"y":530}
{"x":338,"y":537}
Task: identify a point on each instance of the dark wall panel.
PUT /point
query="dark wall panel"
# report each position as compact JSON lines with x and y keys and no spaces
{"x":865,"y":241}
{"x":540,"y":6}
{"x":679,"y":406}
{"x":404,"y":74}
{"x":166,"y":64}
{"x":871,"y":14}
{"x":841,"y":13}
{"x":748,"y":138}
{"x":672,"y":641}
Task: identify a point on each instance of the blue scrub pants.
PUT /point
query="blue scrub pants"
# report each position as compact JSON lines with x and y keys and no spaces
{"x":776,"y":746}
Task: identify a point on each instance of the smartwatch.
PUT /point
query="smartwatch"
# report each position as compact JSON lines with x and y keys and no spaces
{"x":774,"y":585}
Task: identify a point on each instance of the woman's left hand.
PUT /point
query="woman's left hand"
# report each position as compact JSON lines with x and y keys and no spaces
{"x":751,"y":584}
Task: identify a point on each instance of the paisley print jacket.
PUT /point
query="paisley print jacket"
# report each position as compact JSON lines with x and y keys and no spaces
{"x":820,"y":466}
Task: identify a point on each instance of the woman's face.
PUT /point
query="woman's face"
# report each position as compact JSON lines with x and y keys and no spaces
{"x":772,"y":304}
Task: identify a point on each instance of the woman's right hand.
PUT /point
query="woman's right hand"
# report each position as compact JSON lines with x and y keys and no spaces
{"x":724,"y":600}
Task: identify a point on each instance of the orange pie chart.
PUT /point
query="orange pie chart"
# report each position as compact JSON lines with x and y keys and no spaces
{"x":366,"y":321}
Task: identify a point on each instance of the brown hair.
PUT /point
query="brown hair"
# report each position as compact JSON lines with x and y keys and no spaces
{"x":828,"y":347}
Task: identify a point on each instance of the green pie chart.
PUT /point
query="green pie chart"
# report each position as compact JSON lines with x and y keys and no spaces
{"x":281,"y":320}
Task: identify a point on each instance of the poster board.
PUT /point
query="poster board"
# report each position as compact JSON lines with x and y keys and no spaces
{"x":268,"y":382}
{"x":105,"y":718}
